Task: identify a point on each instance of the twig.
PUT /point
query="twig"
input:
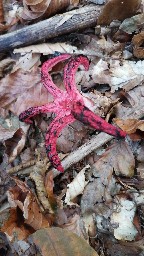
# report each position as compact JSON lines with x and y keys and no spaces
{"x":83,"y":151}
{"x":57,"y":25}
{"x":21,"y":167}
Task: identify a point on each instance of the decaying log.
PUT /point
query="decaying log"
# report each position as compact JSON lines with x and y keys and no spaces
{"x":57,"y":25}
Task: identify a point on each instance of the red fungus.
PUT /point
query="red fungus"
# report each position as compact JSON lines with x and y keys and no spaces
{"x":68,"y":106}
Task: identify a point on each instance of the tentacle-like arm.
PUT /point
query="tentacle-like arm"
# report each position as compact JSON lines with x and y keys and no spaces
{"x":69,"y":73}
{"x":86,"y":116}
{"x":46,"y":78}
{"x":51,"y":137}
{"x":33,"y":111}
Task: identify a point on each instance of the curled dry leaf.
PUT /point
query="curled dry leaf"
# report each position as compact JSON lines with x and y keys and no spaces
{"x":118,"y":10}
{"x":44,"y":8}
{"x":138,"y":49}
{"x":21,"y":197}
{"x":131,"y":126}
{"x":76,"y":187}
{"x":15,"y":144}
{"x":127,"y":75}
{"x":59,"y":241}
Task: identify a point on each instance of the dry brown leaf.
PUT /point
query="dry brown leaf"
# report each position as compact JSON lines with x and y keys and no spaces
{"x":5,"y":64}
{"x":49,"y":184}
{"x":131,"y":126}
{"x":45,"y":8}
{"x":138,"y":49}
{"x":24,"y":87}
{"x":1,"y":12}
{"x":20,"y":196}
{"x":118,"y":10}
{"x":59,"y":241}
{"x":17,"y":83}
{"x":37,"y":95}
{"x":15,"y":144}
{"x":97,"y":194}
{"x":14,"y":226}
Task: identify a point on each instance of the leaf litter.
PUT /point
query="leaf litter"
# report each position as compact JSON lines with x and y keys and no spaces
{"x":102,"y":203}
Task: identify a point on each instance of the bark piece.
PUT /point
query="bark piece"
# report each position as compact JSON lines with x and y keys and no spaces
{"x":58,"y":25}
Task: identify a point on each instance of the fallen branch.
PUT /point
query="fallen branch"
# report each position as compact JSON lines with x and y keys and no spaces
{"x":57,"y":25}
{"x":83,"y":151}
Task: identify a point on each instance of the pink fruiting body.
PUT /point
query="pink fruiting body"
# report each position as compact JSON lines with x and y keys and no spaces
{"x":68,"y":105}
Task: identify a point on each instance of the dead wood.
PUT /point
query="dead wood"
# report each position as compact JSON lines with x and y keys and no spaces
{"x":57,"y":25}
{"x":76,"y":156}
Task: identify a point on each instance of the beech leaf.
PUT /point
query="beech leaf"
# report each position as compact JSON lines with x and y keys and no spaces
{"x":56,"y":241}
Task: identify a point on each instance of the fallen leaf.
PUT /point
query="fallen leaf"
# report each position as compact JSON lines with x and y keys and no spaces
{"x":27,"y":62}
{"x":25,"y":88}
{"x":6,"y":134}
{"x":123,"y":217}
{"x":89,"y":224}
{"x":5,"y":64}
{"x":138,"y":49}
{"x":131,"y":127}
{"x":15,"y":144}
{"x":118,"y":10}
{"x":71,"y":137}
{"x":133,"y":24}
{"x":22,"y":199}
{"x":59,"y":241}
{"x":14,"y":226}
{"x":44,"y":8}
{"x":126,"y":75}
{"x":50,"y":48}
{"x":15,"y":84}
{"x":76,"y":187}
{"x":76,"y":225}
{"x":1,"y":13}
{"x":98,"y":194}
{"x":135,"y":99}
